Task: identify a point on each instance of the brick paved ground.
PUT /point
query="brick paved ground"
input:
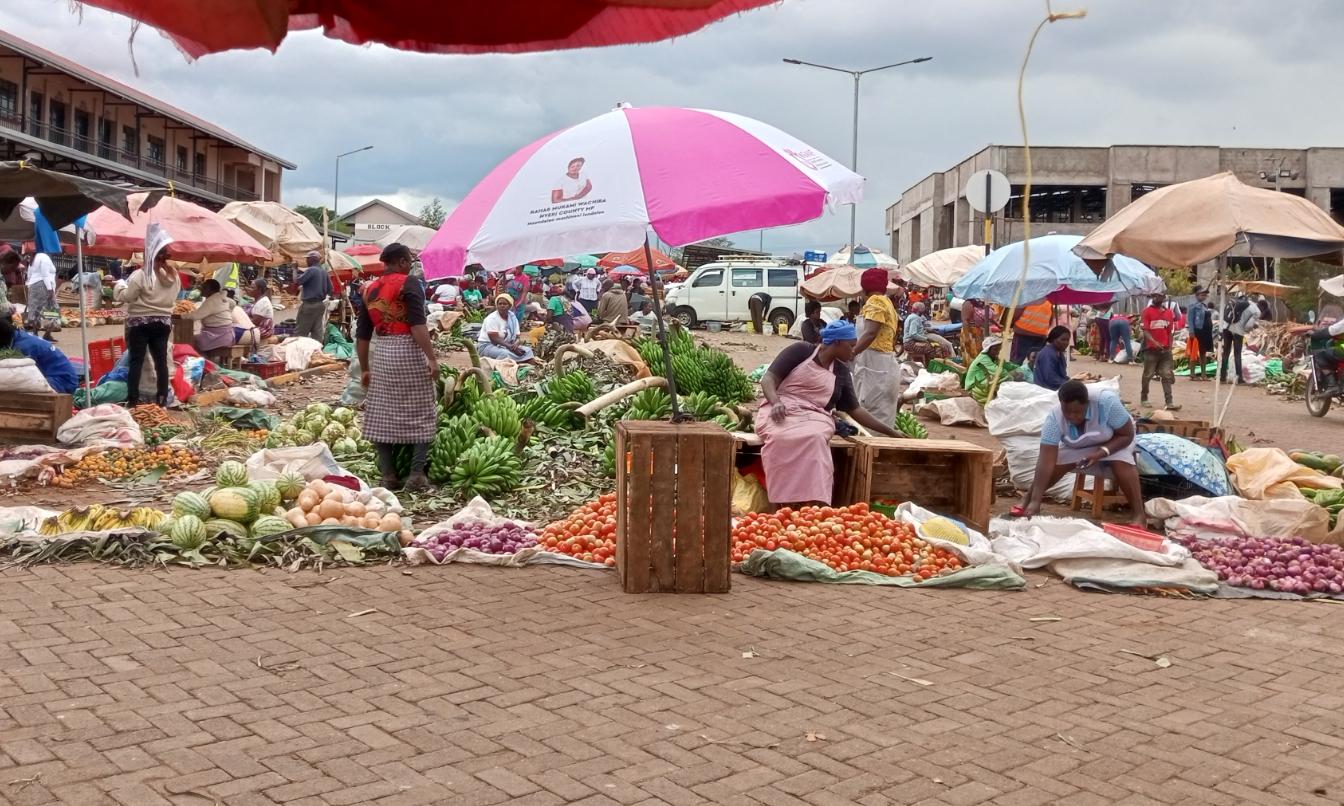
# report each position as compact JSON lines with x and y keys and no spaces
{"x":544,"y":686}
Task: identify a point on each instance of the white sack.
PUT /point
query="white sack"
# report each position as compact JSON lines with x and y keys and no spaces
{"x":22,"y":375}
{"x":1036,"y":542}
{"x":107,"y":424}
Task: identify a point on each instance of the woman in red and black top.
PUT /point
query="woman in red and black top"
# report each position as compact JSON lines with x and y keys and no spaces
{"x":400,"y":407}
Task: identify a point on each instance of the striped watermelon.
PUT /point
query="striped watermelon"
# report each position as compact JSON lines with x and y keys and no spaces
{"x":188,"y":532}
{"x":267,"y":493}
{"x":268,"y":525}
{"x":231,"y":474}
{"x":189,"y":503}
{"x":217,"y":526}
{"x":239,"y":504}
{"x":290,"y":485}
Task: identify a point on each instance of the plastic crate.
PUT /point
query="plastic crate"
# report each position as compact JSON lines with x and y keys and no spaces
{"x":103,"y":356}
{"x":264,"y":370}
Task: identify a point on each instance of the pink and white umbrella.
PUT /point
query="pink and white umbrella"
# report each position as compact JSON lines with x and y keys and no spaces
{"x":688,"y":174}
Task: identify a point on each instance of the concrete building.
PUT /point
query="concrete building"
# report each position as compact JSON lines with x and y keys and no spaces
{"x":1076,"y":188}
{"x":375,"y":218}
{"x":74,"y":119}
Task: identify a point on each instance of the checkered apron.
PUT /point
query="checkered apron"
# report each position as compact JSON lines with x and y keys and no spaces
{"x":400,"y":407}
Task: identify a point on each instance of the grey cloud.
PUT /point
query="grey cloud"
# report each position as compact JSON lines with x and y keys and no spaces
{"x":1229,"y":72}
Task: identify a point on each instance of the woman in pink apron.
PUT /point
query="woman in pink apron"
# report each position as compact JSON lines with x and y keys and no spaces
{"x":1095,"y":437}
{"x":803,"y":385}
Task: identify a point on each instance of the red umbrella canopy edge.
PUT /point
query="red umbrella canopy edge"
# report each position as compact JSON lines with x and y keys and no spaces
{"x":201,"y":27}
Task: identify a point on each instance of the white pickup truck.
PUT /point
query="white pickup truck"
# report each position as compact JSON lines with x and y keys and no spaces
{"x":718,"y":292}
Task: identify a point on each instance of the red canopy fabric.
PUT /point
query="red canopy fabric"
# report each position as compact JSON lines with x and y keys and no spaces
{"x":200,"y":27}
{"x":635,"y":257}
{"x":198,"y":234}
{"x":364,"y":249}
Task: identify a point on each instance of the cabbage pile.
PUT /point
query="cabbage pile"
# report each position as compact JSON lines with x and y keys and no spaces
{"x":319,"y":422}
{"x":501,"y":538}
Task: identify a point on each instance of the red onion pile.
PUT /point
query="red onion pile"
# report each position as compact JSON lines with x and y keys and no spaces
{"x":503,"y":538}
{"x":1290,"y":565}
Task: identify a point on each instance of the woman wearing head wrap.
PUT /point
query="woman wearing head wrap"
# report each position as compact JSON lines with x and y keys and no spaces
{"x":803,"y":385}
{"x":400,"y":376}
{"x":976,"y":318}
{"x":498,"y":338}
{"x":876,"y":371}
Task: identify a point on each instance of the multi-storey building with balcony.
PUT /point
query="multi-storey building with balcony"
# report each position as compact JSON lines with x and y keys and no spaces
{"x":74,"y":119}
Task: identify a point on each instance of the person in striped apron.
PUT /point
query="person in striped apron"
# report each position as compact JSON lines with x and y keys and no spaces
{"x":400,"y":407}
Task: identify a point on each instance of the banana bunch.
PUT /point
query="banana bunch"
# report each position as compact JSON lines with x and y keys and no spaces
{"x":652,"y":353}
{"x":723,"y":378}
{"x":609,"y":460}
{"x":500,"y":414}
{"x":649,"y":404}
{"x":679,"y":340}
{"x":572,"y":387}
{"x":702,"y":405}
{"x":543,"y":411}
{"x":690,"y":375}
{"x":910,"y":426}
{"x":454,"y":437}
{"x":488,"y":467}
{"x":98,"y":518}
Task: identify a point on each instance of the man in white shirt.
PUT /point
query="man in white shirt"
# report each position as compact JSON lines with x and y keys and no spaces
{"x":590,"y":289}
{"x":447,"y":294}
{"x":573,"y":185}
{"x":41,"y":292}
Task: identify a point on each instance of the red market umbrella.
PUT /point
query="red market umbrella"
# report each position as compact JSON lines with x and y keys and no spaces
{"x":198,"y":234}
{"x":635,"y":257}
{"x":200,"y":27}
{"x":364,"y":249}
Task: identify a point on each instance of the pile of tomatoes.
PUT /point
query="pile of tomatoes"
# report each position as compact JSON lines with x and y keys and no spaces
{"x":851,"y":538}
{"x":589,"y":533}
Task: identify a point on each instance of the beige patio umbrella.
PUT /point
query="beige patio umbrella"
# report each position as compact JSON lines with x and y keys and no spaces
{"x":287,"y":234}
{"x":1198,"y":221}
{"x":944,"y":267}
{"x":412,"y":236}
{"x":835,"y":284}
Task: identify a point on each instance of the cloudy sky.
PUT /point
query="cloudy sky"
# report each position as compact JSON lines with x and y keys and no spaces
{"x":1215,"y":72}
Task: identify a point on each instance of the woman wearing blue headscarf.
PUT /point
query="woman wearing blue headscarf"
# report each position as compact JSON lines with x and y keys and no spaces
{"x":803,"y":386}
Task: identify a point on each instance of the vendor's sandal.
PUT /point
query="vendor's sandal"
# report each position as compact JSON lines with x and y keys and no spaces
{"x":1018,"y":511}
{"x":417,"y":482}
{"x":1173,"y":407}
{"x":1145,"y":404}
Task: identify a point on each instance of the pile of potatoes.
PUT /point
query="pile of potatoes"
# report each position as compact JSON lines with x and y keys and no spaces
{"x":321,"y":503}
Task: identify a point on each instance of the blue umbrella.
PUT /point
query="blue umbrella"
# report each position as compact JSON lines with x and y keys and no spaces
{"x":1055,"y":273}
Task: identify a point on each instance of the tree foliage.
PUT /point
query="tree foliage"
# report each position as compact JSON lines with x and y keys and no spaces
{"x":314,"y":214}
{"x":1307,"y":276}
{"x":432,"y":214}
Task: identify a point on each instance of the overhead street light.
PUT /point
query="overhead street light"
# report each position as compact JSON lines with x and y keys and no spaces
{"x":336,"y":192}
{"x":854,"y":157}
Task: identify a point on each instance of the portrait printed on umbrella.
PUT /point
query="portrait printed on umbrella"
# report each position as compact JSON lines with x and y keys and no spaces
{"x":574,"y":184}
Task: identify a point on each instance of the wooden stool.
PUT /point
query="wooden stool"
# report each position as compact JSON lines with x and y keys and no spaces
{"x":1098,"y":495}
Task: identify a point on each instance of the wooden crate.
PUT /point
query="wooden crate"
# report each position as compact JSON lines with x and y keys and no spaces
{"x":1199,"y":431}
{"x":844,"y":458}
{"x":946,"y":476}
{"x":674,"y":489}
{"x":33,"y":416}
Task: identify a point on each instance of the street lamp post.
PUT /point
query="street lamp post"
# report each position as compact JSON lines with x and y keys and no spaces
{"x":854,"y":153}
{"x":336,"y":192}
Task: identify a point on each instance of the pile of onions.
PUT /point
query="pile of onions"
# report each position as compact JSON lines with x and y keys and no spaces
{"x":1291,"y":565}
{"x":500,"y":538}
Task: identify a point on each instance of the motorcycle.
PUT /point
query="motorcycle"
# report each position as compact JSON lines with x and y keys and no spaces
{"x":1322,"y":390}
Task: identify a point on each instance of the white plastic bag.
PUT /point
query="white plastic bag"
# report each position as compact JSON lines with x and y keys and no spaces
{"x":14,"y":520}
{"x":22,"y":375}
{"x":107,"y":424}
{"x":1036,"y":542}
{"x":1022,"y":453}
{"x":244,"y":396}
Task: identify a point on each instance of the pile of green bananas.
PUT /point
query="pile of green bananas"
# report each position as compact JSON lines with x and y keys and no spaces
{"x":500,"y":414}
{"x":723,"y":378}
{"x":98,"y":518}
{"x":910,"y":426}
{"x":690,"y":374}
{"x":649,"y":404}
{"x":544,"y":411}
{"x":488,"y":467}
{"x":572,"y":387}
{"x":455,"y":435}
{"x":652,"y":353}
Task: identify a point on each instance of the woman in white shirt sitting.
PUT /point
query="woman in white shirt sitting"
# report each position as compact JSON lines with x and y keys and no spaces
{"x":448,"y":294}
{"x":262,"y":311}
{"x":215,"y":313}
{"x":499,"y":334}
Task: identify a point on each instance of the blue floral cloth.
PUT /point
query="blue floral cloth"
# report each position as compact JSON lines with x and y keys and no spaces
{"x":1170,"y":455}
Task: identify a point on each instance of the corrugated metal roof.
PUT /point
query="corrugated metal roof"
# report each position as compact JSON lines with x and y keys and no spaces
{"x":40,"y":54}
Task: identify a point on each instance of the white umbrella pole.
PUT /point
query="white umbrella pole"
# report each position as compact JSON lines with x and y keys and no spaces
{"x":83,"y":318}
